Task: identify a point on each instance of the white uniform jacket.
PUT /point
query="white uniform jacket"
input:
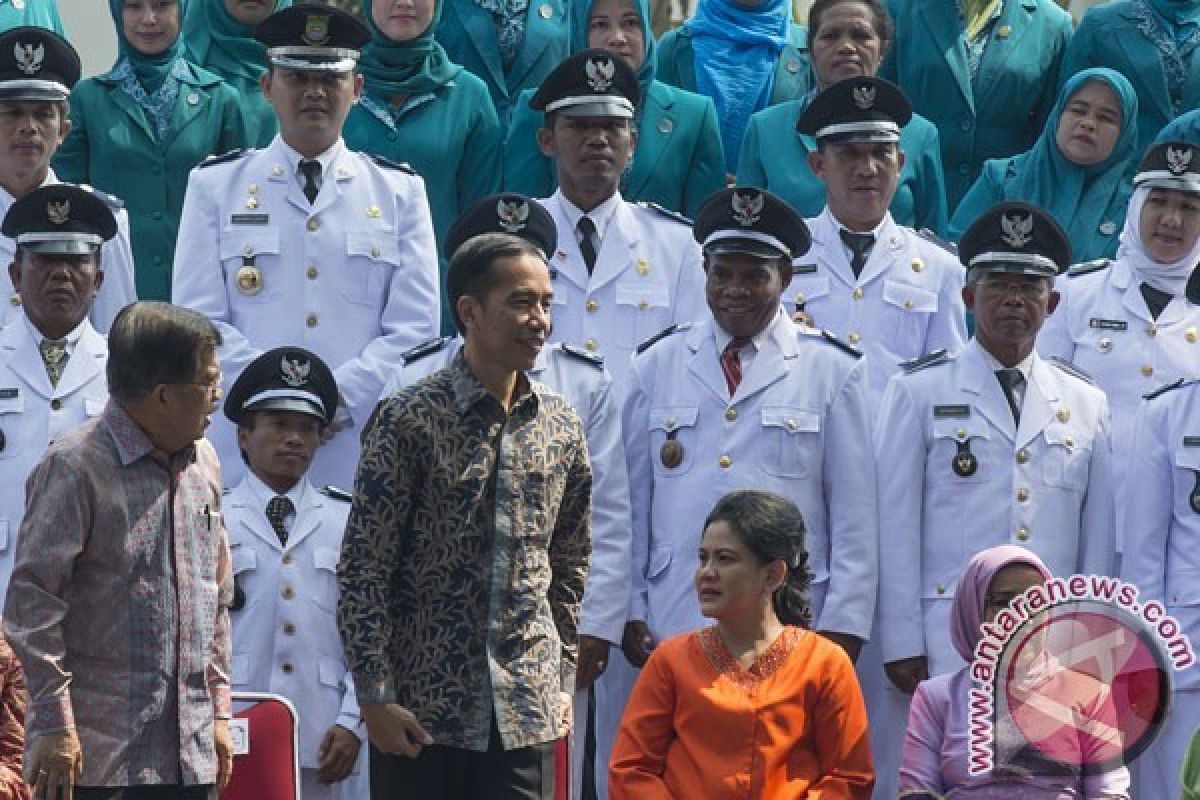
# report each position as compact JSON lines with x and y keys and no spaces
{"x":1045,"y":486}
{"x":649,"y":275}
{"x":581,"y":378}
{"x":285,"y":635}
{"x":33,"y":413}
{"x":906,"y":302}
{"x":352,"y":277}
{"x":798,"y":425}
{"x":116,"y":260}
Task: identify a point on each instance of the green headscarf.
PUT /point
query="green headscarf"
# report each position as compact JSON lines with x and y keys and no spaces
{"x":218,"y":42}
{"x":418,"y":66}
{"x":151,"y":71}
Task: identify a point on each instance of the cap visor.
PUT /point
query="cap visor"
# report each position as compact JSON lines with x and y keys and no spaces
{"x":749,"y":247}
{"x":596,"y":110}
{"x":299,"y":405}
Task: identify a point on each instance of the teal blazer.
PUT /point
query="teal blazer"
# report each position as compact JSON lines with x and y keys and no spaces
{"x":993,"y":186}
{"x":468,"y":35}
{"x":775,"y":157}
{"x":453,"y":140}
{"x":793,"y":73}
{"x":259,"y":113}
{"x":111,"y":146}
{"x":1004,"y":110}
{"x":1108,"y":36}
{"x":678,"y":162}
{"x":41,"y":13}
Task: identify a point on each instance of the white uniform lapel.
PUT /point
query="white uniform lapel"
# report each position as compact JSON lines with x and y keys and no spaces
{"x":567,"y":259}
{"x":308,"y":516}
{"x":279,"y":170}
{"x":888,"y":243}
{"x":705,"y":364}
{"x":771,"y":361}
{"x":1041,"y":399}
{"x":25,"y":359}
{"x":829,"y":249}
{"x":335,"y":181}
{"x":251,"y":517}
{"x":84,"y":364}
{"x":618,"y":250}
{"x":975,"y":377}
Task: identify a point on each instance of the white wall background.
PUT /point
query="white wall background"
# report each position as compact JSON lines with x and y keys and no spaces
{"x":90,"y":29}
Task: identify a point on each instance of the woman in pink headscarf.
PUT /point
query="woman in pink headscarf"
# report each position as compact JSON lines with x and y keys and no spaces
{"x":937,"y":747}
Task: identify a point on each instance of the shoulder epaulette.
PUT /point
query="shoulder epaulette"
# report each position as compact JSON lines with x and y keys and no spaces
{"x":387,"y":163}
{"x":934,"y":239}
{"x":1087,"y":267}
{"x":424,"y":349}
{"x":832,"y":338}
{"x":111,"y":200}
{"x":595,"y":359}
{"x":1071,"y":369}
{"x":336,"y":493}
{"x":1169,"y":387}
{"x":227,"y":490}
{"x":927,"y":360}
{"x":232,"y":155}
{"x":664,"y":333}
{"x":666,"y":212}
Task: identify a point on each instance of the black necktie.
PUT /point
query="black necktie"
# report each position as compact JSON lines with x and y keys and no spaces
{"x":586,"y":229}
{"x":311,"y":170}
{"x":1010,"y":381}
{"x":1156,"y":299}
{"x":278,"y":509}
{"x":860,"y":245}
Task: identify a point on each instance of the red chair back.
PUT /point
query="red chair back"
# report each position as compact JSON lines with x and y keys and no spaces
{"x":271,"y":768}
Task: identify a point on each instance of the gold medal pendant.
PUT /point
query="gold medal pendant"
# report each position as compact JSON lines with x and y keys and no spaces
{"x":1195,"y":498}
{"x":671,"y":453}
{"x":249,"y":278}
{"x":965,"y":464}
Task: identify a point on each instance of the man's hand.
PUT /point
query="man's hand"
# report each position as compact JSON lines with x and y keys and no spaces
{"x":907,"y":673}
{"x":851,"y":644}
{"x":336,"y":755}
{"x":223,"y":744}
{"x":637,"y":642}
{"x":593,"y":660}
{"x":55,"y":764}
{"x":393,"y":728}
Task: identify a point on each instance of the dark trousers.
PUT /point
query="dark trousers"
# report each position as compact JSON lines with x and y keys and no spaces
{"x":208,"y":792}
{"x":449,"y":773}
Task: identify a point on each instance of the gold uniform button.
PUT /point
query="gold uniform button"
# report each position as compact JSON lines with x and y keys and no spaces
{"x":313,"y":224}
{"x":15,"y":299}
{"x":288,"y":593}
{"x":1151,"y":330}
{"x":592,"y":305}
{"x":1147,"y":370}
{"x":312,"y":273}
{"x":961,"y":434}
{"x":941,"y":588}
{"x":854,"y":337}
{"x":592,"y":345}
{"x":858,"y":293}
{"x":289,"y":629}
{"x":917,"y":265}
{"x":1022,"y":456}
{"x":643,"y":305}
{"x":800,"y":298}
{"x":1063,"y":414}
{"x":1023,"y":533}
{"x":374,"y":252}
{"x":1022,"y":495}
{"x":908,"y":304}
{"x":725,"y":461}
{"x":56,"y":404}
{"x":731,"y":414}
{"x":287,"y":668}
{"x":1190,"y":335}
{"x":247,"y":250}
{"x":791,"y":424}
{"x":311,"y":321}
{"x":287,"y":559}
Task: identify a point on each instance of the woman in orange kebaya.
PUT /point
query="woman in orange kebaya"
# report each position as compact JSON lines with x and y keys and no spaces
{"x":756,"y":706}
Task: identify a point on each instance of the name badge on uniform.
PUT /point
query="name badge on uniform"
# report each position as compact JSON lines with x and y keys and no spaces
{"x":9,"y":394}
{"x":1191,"y":441}
{"x":803,"y":269}
{"x":942,"y":412}
{"x":250,"y":219}
{"x":1108,"y":324}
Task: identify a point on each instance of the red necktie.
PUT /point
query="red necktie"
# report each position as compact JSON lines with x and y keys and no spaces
{"x":731,"y":363}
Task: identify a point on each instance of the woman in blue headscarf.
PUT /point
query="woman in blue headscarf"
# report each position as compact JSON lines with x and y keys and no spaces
{"x":1153,"y":44}
{"x":219,"y":36}
{"x":745,"y":55}
{"x":678,"y":162}
{"x":1078,"y":170}
{"x":138,"y":129}
{"x":421,"y":108}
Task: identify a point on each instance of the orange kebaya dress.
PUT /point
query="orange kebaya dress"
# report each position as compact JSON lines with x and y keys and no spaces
{"x":699,"y":725}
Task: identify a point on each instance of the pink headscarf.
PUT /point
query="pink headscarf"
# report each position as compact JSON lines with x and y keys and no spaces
{"x":971,"y":595}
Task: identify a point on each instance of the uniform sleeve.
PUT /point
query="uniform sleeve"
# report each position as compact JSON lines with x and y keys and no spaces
{"x":1098,"y":545}
{"x":119,"y":288}
{"x":900,"y":463}
{"x":639,"y":754}
{"x":526,"y":169}
{"x":635,"y":409}
{"x":987,"y":190}
{"x":72,"y":159}
{"x":411,"y":311}
{"x":606,"y":598}
{"x":570,"y":552}
{"x":349,"y":716}
{"x":920,"y":764}
{"x":479,"y":172}
{"x":850,"y":496}
{"x":1147,"y":523}
{"x":842,"y":741}
{"x":706,"y":172}
{"x":930,"y":211}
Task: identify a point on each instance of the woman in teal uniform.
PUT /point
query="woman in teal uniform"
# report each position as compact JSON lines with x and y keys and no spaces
{"x":846,"y":38}
{"x":1153,"y":44}
{"x":138,"y":129}
{"x":42,"y":13}
{"x":745,"y":55}
{"x":984,"y":72}
{"x":219,"y":36}
{"x":1077,"y":170}
{"x":511,"y":44}
{"x":678,"y":162}
{"x":420,"y":108}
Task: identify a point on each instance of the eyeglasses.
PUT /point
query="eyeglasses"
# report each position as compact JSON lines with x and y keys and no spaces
{"x":1030,"y":290}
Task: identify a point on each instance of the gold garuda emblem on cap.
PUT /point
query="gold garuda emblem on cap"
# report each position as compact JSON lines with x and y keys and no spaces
{"x":747,"y":208}
{"x":1016,"y":231}
{"x":29,"y":58}
{"x":316,"y":29}
{"x":1178,"y":161}
{"x":512,"y":216}
{"x":58,"y":213}
{"x":294,"y":371}
{"x":864,"y":96}
{"x":600,"y":73}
